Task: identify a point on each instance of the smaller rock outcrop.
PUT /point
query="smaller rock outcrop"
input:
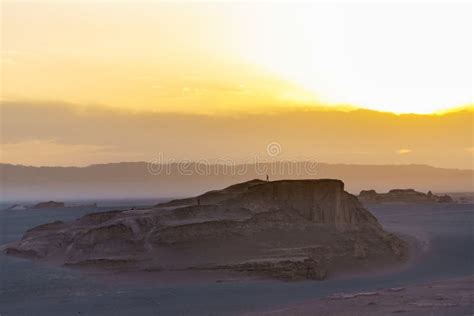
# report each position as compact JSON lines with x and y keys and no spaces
{"x":402,"y":196}
{"x":49,"y":204}
{"x":16,"y":207}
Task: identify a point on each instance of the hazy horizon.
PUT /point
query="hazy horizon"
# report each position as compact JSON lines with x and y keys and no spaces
{"x":229,"y":163}
{"x":150,"y":180}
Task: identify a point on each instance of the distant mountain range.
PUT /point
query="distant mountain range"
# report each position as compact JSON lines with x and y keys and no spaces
{"x":136,"y":179}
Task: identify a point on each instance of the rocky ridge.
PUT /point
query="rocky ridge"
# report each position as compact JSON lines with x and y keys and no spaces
{"x":288,"y":229}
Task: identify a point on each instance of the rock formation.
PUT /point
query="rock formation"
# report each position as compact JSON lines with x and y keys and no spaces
{"x":403,"y":196}
{"x":49,"y":204}
{"x":16,"y":207}
{"x":289,"y":229}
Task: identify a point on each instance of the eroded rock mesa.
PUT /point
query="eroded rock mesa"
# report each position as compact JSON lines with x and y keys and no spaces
{"x":289,"y":229}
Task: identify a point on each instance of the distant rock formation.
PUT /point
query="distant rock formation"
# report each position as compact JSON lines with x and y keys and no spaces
{"x":16,"y":207}
{"x":288,"y":229}
{"x":403,"y":196}
{"x":49,"y":204}
{"x":46,"y":205}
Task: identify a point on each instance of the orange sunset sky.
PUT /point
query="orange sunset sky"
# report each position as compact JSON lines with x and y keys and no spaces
{"x":98,"y":81}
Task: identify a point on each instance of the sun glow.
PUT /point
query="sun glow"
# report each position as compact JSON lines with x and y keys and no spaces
{"x":396,"y":58}
{"x":402,"y":58}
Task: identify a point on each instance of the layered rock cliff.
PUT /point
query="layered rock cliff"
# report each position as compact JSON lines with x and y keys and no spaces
{"x":290,"y":229}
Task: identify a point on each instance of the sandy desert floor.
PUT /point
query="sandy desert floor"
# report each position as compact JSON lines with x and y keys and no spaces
{"x":445,"y":263}
{"x":452,"y":297}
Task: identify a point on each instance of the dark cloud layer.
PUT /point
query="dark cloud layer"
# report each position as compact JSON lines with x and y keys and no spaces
{"x":360,"y":136}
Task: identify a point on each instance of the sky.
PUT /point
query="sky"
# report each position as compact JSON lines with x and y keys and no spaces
{"x":197,"y":61}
